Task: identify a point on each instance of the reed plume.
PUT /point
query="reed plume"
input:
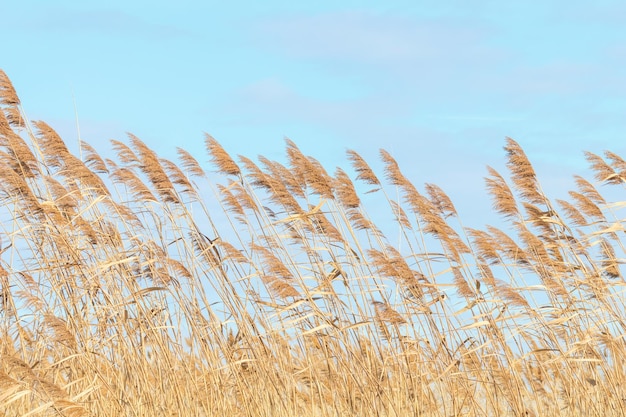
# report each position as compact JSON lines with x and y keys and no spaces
{"x":220,"y":157}
{"x":10,"y":101}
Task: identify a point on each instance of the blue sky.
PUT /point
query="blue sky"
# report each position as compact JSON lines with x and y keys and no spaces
{"x":439,"y":84}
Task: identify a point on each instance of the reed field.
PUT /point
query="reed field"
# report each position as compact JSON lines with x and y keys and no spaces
{"x":219,"y":285}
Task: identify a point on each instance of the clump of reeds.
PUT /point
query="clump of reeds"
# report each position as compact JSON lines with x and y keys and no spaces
{"x":128,"y":289}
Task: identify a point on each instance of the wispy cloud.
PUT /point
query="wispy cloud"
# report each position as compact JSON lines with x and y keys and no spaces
{"x":375,"y":39}
{"x":474,"y":117}
{"x":111,"y":23}
{"x":607,"y":12}
{"x":447,"y":57}
{"x":271,"y":100}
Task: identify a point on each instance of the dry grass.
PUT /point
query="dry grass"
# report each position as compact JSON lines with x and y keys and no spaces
{"x":123,"y":294}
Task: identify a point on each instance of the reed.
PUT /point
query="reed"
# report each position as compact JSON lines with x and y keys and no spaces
{"x":131,"y":285}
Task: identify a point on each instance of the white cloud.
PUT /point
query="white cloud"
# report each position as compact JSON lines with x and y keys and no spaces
{"x":108,"y":22}
{"x":374,"y":39}
{"x":270,"y":100}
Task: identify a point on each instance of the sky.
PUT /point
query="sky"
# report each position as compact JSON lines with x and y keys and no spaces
{"x":439,"y":84}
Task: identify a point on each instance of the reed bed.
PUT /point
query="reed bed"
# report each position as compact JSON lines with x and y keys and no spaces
{"x":131,"y":285}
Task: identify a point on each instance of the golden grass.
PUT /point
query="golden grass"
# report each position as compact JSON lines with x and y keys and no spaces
{"x":136,"y":286}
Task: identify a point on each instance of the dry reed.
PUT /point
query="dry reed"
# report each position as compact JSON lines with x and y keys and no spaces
{"x":127,"y":290}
